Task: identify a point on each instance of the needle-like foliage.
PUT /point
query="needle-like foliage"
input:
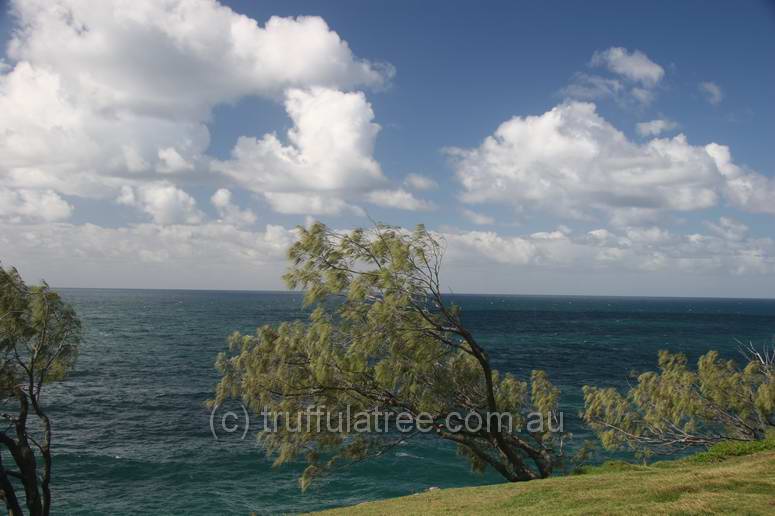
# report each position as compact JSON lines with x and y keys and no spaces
{"x":381,"y":337}
{"x":678,"y":408}
{"x":39,"y":338}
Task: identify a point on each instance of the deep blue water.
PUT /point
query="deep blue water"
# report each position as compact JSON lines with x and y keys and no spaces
{"x":132,"y":435}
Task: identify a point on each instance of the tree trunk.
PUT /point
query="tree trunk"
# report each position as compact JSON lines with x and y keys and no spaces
{"x":9,"y":494}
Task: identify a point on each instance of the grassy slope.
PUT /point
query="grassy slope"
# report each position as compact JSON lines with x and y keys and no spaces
{"x":721,"y":483}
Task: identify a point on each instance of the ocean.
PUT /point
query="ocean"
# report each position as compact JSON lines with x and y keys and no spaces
{"x":132,"y":434}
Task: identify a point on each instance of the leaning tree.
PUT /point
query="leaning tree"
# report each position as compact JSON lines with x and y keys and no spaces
{"x":381,"y":337}
{"x":39,"y":337}
{"x":677,"y":408}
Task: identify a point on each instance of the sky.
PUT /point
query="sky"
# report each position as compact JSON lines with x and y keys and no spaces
{"x":598,"y":148}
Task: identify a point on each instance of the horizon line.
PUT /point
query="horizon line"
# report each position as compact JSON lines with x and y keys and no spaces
{"x":483,"y":294}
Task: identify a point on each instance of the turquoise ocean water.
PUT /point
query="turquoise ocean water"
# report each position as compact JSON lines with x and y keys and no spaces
{"x":131,"y":434}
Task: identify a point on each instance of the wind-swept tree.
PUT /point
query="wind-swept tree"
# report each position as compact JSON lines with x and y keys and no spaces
{"x":39,"y":337}
{"x":677,"y":408}
{"x":381,"y":337}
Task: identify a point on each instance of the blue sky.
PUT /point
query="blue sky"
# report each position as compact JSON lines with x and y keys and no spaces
{"x":465,"y":67}
{"x":120,"y":97}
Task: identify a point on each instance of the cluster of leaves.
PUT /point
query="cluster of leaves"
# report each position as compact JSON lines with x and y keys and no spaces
{"x":39,"y":338}
{"x":678,"y":408}
{"x":380,"y":337}
{"x":39,"y":333}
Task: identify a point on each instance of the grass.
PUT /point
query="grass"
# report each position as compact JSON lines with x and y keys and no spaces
{"x":730,"y":478}
{"x":728,"y":449}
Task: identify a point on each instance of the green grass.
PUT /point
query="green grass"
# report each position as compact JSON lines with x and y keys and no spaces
{"x":729,"y":449}
{"x":730,"y":478}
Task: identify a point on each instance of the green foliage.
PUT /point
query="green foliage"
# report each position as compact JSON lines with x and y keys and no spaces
{"x":380,"y":336}
{"x":580,"y":460}
{"x":39,"y":338}
{"x":677,"y":408}
{"x":39,"y":333}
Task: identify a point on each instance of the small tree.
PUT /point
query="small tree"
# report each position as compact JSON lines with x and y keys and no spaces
{"x":677,"y":408}
{"x":39,"y":337}
{"x":382,"y":338}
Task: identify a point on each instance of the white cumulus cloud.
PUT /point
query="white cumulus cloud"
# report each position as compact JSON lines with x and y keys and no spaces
{"x":20,"y":205}
{"x":171,"y":162}
{"x":328,"y":152}
{"x":164,"y":202}
{"x":230,"y":212}
{"x":97,"y":95}
{"x":572,"y":162}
